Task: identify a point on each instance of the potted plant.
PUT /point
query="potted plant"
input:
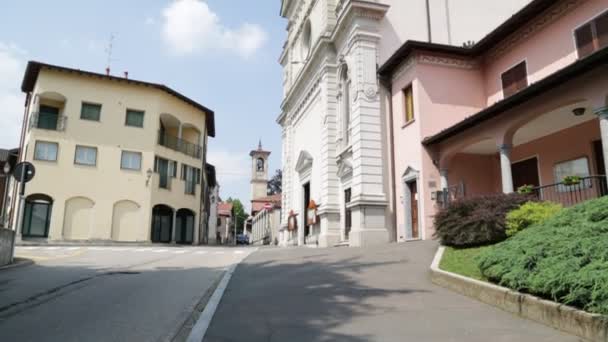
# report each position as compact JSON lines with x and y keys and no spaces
{"x":525,"y":189}
{"x":572,"y":180}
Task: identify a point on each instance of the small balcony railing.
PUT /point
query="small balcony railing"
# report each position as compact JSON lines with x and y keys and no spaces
{"x":180,"y":145}
{"x":52,"y":122}
{"x":572,"y":193}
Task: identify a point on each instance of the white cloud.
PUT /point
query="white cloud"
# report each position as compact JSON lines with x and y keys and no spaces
{"x":12,"y":65}
{"x":190,"y":26}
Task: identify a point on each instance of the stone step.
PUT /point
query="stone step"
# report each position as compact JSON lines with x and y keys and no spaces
{"x":342,"y":244}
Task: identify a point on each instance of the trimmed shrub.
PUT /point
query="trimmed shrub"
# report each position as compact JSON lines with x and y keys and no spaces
{"x":529,"y":214}
{"x":564,"y":258}
{"x":476,"y":221}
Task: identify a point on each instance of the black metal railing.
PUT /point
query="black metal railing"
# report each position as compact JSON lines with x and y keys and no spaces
{"x":179,"y":145}
{"x":572,"y":193}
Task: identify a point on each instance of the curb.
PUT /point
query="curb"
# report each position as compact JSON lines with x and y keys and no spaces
{"x":18,"y":262}
{"x":589,"y":326}
{"x":202,"y":324}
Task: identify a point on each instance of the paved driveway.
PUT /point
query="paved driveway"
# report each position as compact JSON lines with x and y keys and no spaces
{"x":350,"y":294}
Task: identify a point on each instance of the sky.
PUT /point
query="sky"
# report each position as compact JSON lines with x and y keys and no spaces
{"x":221,"y":53}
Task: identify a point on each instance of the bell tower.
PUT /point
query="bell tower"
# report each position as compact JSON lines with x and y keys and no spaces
{"x":259,"y":172}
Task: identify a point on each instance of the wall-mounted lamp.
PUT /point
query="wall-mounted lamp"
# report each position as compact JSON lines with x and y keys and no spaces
{"x":149,"y":175}
{"x":580,"y":111}
{"x":7,"y":168}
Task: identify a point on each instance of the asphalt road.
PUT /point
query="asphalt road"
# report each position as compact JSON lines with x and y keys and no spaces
{"x":107,"y":293}
{"x":359,"y":295}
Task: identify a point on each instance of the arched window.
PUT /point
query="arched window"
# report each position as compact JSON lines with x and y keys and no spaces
{"x":260,"y":165}
{"x":345,"y":104}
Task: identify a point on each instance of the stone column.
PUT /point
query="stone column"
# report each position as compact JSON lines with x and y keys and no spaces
{"x":505,"y":168}
{"x":603,"y":115}
{"x":443,"y":181}
{"x":173,"y":231}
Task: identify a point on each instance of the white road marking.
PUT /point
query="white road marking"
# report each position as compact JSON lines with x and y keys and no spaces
{"x":28,"y":248}
{"x":239,"y":252}
{"x":52,"y":248}
{"x":219,"y":252}
{"x":179,"y":252}
{"x":159,"y":250}
{"x":201,"y":252}
{"x":142,"y":250}
{"x":96,"y":248}
{"x":73,"y":248}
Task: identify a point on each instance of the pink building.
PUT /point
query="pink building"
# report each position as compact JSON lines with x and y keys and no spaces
{"x":526,"y":105}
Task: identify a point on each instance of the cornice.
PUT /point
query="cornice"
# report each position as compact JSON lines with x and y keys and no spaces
{"x":542,"y":21}
{"x":433,"y":59}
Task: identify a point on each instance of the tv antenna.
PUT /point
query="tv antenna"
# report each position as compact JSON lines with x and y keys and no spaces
{"x":108,"y":51}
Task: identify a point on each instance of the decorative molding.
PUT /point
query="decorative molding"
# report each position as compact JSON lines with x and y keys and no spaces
{"x":543,"y":20}
{"x":461,"y":63}
{"x":304,"y":162}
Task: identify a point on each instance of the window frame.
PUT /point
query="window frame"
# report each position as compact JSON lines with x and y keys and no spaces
{"x":410,"y":88}
{"x":593,"y":32}
{"x":562,"y":188}
{"x":143,"y":117}
{"x":83,"y":103}
{"x":86,"y":147}
{"x":122,"y":154}
{"x":47,"y":142}
{"x":511,"y":68}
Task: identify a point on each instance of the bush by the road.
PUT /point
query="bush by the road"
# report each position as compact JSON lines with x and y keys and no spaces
{"x":476,"y":221}
{"x":564,"y":258}
{"x":529,"y":214}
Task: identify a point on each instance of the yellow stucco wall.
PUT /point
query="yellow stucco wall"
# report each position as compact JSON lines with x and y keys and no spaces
{"x":105,"y":185}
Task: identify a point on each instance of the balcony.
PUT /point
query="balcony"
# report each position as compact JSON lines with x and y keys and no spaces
{"x":572,"y":193}
{"x":48,"y":121}
{"x":179,"y":145}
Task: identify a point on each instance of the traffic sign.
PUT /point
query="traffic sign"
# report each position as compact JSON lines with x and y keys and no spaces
{"x":25,"y":170}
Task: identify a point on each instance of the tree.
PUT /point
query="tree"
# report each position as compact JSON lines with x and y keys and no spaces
{"x":275,"y":185}
{"x":239,"y":214}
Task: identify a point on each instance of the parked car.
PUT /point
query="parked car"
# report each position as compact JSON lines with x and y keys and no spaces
{"x":242,"y":239}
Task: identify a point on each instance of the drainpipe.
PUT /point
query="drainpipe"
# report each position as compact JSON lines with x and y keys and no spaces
{"x":387,"y":84}
{"x":428,"y":21}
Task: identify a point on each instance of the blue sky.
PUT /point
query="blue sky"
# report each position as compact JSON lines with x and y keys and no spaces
{"x":222,"y":53}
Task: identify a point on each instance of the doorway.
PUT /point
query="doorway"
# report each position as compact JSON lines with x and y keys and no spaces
{"x":184,"y":227}
{"x":348,"y":214}
{"x":600,"y":165}
{"x":413,"y":189}
{"x":305,"y":209}
{"x":162,"y":224}
{"x":525,"y":172}
{"x":37,"y":216}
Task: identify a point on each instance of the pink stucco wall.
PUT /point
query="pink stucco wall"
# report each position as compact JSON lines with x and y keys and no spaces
{"x":445,"y":95}
{"x":545,"y":52}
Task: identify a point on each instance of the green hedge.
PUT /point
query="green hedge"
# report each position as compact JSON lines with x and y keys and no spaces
{"x":565,"y":258}
{"x":530,"y":214}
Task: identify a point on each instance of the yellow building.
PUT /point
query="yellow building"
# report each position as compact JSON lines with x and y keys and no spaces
{"x":116,"y":159}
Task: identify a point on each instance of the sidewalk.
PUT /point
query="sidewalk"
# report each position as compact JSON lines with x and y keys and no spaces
{"x":351,"y":294}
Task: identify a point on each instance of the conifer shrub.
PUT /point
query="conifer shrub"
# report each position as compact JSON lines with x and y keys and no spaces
{"x":564,"y":258}
{"x":529,"y":214}
{"x":476,"y":221}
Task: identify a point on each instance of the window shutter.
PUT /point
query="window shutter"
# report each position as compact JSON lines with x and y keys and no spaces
{"x":508,"y":84}
{"x":156,"y":164}
{"x":601,"y":30}
{"x":584,"y":40}
{"x":520,"y":76}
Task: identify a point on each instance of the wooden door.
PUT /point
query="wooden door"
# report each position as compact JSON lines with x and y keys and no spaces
{"x":413,"y":187}
{"x":525,"y":172}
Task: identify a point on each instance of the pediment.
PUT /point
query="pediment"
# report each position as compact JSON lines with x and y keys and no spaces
{"x":410,"y":172}
{"x":345,"y":168}
{"x":304,"y":162}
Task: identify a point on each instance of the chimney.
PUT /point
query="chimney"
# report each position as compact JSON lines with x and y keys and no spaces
{"x":108,"y":71}
{"x":126,"y":74}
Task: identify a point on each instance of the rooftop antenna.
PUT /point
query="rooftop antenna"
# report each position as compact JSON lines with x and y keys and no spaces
{"x":109,"y":54}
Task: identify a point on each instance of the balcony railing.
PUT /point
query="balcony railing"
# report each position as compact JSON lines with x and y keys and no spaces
{"x":180,"y":145}
{"x":52,"y":122}
{"x":569,"y":194}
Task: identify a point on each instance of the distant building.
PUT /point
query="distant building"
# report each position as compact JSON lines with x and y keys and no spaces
{"x":225,"y":226}
{"x":117,"y":159}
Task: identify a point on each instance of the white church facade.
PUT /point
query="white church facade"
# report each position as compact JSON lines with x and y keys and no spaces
{"x":336,"y":147}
